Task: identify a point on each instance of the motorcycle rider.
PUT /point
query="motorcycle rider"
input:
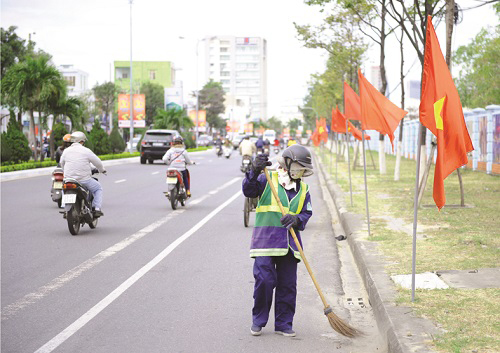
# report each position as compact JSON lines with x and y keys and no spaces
{"x":76,"y":162}
{"x":66,"y":142}
{"x":259,"y":144}
{"x":275,"y":252}
{"x":247,"y":147}
{"x":218,"y":146}
{"x":177,"y":157}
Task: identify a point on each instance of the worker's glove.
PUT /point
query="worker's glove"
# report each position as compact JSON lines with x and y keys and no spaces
{"x":289,"y":221}
{"x":260,"y":162}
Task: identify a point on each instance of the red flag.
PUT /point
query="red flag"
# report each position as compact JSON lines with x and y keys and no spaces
{"x":378,"y":112}
{"x":323,"y":130}
{"x":352,"y":104}
{"x":338,"y":122}
{"x":441,"y":112}
{"x":315,"y":137}
{"x":353,"y":130}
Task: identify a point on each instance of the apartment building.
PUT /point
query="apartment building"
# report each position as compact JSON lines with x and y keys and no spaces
{"x":240,"y":65}
{"x":76,"y":79}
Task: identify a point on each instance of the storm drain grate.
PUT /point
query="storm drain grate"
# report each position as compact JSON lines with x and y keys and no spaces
{"x":356,"y":302}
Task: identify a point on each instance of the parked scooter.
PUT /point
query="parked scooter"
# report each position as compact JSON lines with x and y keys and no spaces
{"x":246,"y":163}
{"x":56,"y":192}
{"x":176,"y":189}
{"x":77,"y":201}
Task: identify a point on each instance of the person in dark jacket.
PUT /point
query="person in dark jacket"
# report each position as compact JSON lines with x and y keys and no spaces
{"x":273,"y":248}
{"x":60,"y":149}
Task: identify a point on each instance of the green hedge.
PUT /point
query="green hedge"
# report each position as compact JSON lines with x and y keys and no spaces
{"x":44,"y":164}
{"x":50,"y":163}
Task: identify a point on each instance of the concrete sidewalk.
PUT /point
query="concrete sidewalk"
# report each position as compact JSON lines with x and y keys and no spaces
{"x":403,"y":331}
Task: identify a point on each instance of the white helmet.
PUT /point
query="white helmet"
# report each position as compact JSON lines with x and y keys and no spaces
{"x":78,"y":136}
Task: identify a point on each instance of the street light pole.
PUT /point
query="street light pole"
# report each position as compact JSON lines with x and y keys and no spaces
{"x":131,"y":117}
{"x":197,"y":93}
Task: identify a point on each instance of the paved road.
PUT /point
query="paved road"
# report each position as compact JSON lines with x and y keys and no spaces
{"x":150,"y":279}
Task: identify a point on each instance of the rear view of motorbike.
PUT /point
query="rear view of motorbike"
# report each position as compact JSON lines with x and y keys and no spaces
{"x":246,"y":163}
{"x":77,"y":201}
{"x":56,"y":191}
{"x":176,"y":190}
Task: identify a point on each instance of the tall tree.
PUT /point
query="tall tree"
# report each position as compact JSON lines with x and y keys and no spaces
{"x":105,"y":97}
{"x":14,"y":48}
{"x":211,"y":98}
{"x":31,"y":83}
{"x":155,"y":99}
{"x":479,"y":63}
{"x":275,"y":124}
{"x":174,"y":119}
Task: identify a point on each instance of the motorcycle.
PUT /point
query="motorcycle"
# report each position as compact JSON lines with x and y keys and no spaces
{"x":266,"y":150}
{"x":276,"y":149}
{"x":77,"y":201}
{"x":227,"y":152}
{"x":246,"y":163}
{"x":176,"y":190}
{"x":56,"y":192}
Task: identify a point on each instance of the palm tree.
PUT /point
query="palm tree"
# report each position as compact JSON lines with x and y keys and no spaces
{"x":72,"y":108}
{"x":174,"y":119}
{"x":32,"y":83}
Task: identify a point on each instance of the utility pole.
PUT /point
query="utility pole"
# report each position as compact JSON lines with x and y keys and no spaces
{"x":131,"y":116}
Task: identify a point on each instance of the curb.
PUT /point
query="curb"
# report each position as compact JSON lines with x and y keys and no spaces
{"x":403,"y":331}
{"x":30,"y":173}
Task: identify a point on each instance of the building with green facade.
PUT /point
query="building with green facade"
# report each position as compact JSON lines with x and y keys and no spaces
{"x":160,"y":72}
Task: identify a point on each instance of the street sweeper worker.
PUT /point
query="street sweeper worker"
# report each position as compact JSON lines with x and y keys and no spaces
{"x":272,"y":246}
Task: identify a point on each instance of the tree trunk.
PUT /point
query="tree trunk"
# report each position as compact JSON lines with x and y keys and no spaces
{"x":51,"y":141}
{"x":382,"y":49}
{"x":401,"y":124}
{"x":32,"y":135}
{"x":381,"y":155}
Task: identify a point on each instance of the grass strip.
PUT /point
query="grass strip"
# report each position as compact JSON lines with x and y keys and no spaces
{"x":450,"y":239}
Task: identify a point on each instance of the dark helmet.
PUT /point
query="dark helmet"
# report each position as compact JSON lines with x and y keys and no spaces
{"x":177,"y":140}
{"x":298,"y":154}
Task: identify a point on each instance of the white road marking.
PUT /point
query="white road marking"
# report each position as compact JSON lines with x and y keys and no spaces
{"x":31,"y":298}
{"x":110,"y":298}
{"x":58,"y":282}
{"x":154,"y":173}
{"x":120,"y":181}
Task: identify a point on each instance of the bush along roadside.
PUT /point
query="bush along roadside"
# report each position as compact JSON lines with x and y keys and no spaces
{"x":45,"y":164}
{"x":105,"y":157}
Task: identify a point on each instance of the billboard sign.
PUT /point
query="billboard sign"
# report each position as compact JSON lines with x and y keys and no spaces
{"x":139,"y":111}
{"x":202,"y":117}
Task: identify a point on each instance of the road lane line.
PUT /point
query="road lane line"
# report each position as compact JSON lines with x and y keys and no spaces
{"x":58,"y":282}
{"x":31,"y":298}
{"x":154,"y":173}
{"x":110,"y":298}
{"x":120,"y":181}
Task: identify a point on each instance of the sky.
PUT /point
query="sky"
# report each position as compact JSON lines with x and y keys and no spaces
{"x":91,"y":34}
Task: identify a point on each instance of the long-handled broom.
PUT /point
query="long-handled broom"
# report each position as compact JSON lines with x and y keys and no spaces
{"x":336,"y":322}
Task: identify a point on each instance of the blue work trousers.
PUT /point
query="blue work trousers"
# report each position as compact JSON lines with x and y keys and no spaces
{"x":270,"y":273}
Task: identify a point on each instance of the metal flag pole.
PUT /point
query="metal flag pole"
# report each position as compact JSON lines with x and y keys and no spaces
{"x":336,"y":154}
{"x":366,"y":184}
{"x":330,"y":149}
{"x":415,"y":216}
{"x":348,"y":156}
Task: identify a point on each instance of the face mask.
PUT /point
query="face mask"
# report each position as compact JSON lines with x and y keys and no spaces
{"x":284,"y":179}
{"x":296,"y":171}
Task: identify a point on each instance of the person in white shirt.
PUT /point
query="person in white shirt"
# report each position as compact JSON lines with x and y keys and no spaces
{"x":177,"y":157}
{"x":77,"y":162}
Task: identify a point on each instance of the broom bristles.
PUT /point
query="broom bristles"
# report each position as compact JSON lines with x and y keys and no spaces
{"x":340,"y":326}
